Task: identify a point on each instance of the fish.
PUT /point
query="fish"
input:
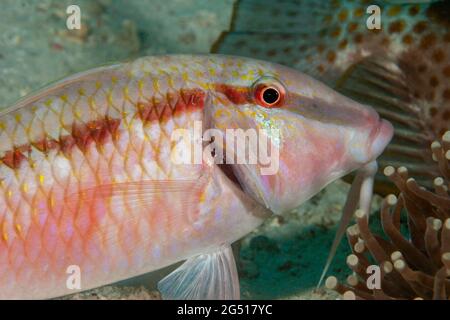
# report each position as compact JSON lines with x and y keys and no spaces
{"x":402,"y":69}
{"x":93,"y":189}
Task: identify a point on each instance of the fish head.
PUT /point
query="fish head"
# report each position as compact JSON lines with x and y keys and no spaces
{"x":308,"y":134}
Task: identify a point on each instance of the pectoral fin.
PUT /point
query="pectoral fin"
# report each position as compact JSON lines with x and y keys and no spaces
{"x":137,"y":195}
{"x":204,"y":277}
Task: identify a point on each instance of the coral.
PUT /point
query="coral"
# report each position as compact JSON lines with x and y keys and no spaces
{"x":416,"y":266}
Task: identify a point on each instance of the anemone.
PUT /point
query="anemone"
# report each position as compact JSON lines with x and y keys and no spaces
{"x":413,"y":256}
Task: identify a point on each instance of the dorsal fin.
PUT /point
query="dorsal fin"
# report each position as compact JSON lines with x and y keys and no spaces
{"x":56,"y":86}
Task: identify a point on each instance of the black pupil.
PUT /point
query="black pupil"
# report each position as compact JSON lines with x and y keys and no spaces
{"x":270,"y":95}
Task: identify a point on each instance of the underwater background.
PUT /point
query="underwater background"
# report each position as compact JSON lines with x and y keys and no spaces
{"x":284,"y":258}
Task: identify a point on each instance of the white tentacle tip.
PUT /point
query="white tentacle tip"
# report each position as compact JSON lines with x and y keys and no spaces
{"x":435,"y":145}
{"x":399,"y":265}
{"x":389,"y":171}
{"x":349,"y":295}
{"x":331,"y":283}
{"x":447,"y":223}
{"x":388,"y":267}
{"x":352,"y":260}
{"x":396,"y":255}
{"x":446,"y":136}
{"x":391,"y":200}
{"x":439,"y":181}
{"x":360,"y":213}
{"x":402,"y":170}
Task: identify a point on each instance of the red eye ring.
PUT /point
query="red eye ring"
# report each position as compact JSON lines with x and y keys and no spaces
{"x":269,"y":96}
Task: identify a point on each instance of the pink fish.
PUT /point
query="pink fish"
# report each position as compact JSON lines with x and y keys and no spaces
{"x":89,"y":181}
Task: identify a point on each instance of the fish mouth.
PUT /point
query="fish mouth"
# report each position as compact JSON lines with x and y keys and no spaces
{"x":227,"y":169}
{"x":381,"y":136}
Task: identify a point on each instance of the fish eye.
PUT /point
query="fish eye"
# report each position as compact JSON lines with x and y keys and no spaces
{"x":269,"y":95}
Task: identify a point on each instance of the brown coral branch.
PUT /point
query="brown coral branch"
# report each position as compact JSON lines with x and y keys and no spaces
{"x":445,"y":236}
{"x":411,"y":253}
{"x":439,"y":288}
{"x":414,"y":267}
{"x":432,"y":243}
{"x":372,"y":244}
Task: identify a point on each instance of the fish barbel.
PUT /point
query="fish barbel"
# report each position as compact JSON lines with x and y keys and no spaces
{"x":88,"y":178}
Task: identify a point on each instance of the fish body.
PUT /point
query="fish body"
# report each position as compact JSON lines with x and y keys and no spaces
{"x":88,"y":178}
{"x":401,"y":67}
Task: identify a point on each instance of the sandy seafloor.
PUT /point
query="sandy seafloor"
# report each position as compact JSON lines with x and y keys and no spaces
{"x":281,"y":260}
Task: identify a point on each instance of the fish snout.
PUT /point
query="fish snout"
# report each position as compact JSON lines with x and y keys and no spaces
{"x":380,"y":132}
{"x":371,"y":135}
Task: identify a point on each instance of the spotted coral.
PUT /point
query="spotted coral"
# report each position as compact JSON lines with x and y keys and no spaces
{"x":412,"y":266}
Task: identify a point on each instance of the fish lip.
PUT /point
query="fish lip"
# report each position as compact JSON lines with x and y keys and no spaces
{"x":380,"y":137}
{"x":375,"y":131}
{"x":376,"y":128}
